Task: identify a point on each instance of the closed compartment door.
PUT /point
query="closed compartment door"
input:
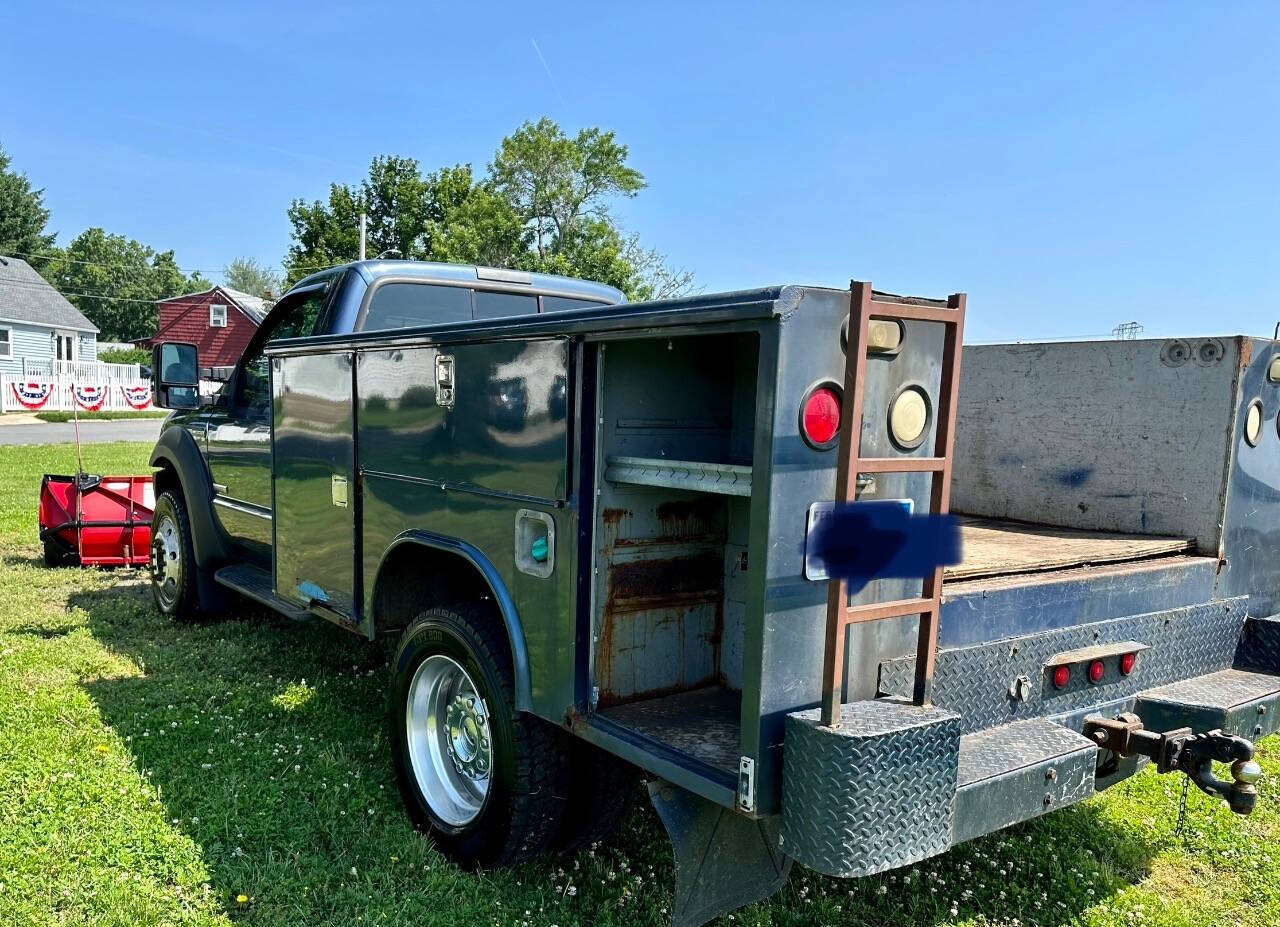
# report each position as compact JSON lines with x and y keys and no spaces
{"x":314,"y":482}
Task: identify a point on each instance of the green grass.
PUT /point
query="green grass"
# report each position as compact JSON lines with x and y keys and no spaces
{"x":153,"y":773}
{"x":98,"y":416}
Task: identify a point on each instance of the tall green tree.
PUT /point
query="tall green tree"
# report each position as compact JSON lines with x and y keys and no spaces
{"x":23,"y":218}
{"x":543,"y":205}
{"x":115,"y":281}
{"x":248,"y":276}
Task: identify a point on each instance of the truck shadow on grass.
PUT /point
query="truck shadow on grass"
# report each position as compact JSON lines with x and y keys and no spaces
{"x":266,"y":742}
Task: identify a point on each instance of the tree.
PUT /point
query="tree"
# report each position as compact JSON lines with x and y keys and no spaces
{"x":554,"y":181}
{"x":22,"y":217}
{"x":543,"y":205}
{"x":248,"y":276}
{"x":115,"y":281}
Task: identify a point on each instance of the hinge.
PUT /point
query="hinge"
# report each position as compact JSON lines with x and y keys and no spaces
{"x":445,"y":382}
{"x":747,"y":784}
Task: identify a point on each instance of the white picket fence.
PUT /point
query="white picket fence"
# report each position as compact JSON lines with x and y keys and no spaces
{"x":81,"y":371}
{"x":44,"y":393}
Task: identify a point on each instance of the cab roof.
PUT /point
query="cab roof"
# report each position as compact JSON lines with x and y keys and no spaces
{"x":498,"y":277}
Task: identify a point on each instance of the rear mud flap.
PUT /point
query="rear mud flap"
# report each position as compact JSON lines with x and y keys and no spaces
{"x":723,"y":860}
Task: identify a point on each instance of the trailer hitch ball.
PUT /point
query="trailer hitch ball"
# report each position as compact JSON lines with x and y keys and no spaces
{"x":1247,"y":771}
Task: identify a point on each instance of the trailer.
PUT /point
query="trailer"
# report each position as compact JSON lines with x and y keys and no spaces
{"x":592,"y":525}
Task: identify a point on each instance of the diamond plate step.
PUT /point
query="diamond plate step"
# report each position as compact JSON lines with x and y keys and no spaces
{"x":1018,"y":771}
{"x":1237,"y":701}
{"x":874,"y":793}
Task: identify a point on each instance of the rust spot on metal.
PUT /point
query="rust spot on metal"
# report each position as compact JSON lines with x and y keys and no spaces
{"x":685,"y":517}
{"x":671,"y":581}
{"x":1246,"y":352}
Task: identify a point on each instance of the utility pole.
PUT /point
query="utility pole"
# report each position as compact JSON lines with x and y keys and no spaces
{"x":363,"y":227}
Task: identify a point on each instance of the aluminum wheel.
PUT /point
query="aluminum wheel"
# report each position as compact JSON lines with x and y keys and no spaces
{"x":166,"y":562}
{"x":450,"y":745}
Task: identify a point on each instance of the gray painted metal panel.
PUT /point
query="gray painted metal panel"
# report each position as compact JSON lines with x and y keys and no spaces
{"x":1252,"y":517}
{"x":1017,"y":772}
{"x":1102,"y":435}
{"x":313,"y":469}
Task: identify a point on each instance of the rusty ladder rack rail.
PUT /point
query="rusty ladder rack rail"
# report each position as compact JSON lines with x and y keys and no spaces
{"x":863,"y":308}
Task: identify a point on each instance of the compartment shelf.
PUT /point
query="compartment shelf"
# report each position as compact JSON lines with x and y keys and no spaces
{"x":691,"y":475}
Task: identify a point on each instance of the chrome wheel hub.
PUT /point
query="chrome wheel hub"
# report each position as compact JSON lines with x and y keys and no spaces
{"x":450,"y":743}
{"x":166,"y":561}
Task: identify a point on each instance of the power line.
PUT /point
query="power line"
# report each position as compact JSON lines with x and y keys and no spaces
{"x":185,"y":270}
{"x":19,"y":283}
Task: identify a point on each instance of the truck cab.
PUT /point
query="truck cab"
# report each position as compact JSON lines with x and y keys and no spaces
{"x":233,"y":431}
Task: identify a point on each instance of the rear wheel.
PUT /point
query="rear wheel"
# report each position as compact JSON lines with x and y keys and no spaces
{"x":484,"y":780}
{"x":173,"y":564}
{"x":603,"y":791}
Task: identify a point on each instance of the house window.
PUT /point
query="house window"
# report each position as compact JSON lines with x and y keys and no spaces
{"x":6,"y":342}
{"x":64,"y":346}
{"x":217,"y":315}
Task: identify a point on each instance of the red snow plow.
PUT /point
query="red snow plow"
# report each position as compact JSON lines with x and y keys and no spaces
{"x":96,"y":520}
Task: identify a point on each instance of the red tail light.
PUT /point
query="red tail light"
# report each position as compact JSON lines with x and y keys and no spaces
{"x":1061,"y":676}
{"x":1096,"y":671}
{"x":1128,"y":662}
{"x":820,"y":417}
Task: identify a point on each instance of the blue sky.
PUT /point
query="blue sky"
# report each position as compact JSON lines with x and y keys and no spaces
{"x":1070,"y":166}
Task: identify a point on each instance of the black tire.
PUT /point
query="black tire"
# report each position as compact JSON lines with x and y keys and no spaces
{"x":602,"y":792}
{"x":520,"y":814}
{"x":54,"y":554}
{"x":182,"y":601}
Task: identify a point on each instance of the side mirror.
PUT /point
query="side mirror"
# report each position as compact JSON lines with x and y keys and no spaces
{"x":175,"y":376}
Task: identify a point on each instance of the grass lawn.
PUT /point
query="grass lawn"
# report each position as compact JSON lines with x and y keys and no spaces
{"x":237,"y":771}
{"x":98,"y":416}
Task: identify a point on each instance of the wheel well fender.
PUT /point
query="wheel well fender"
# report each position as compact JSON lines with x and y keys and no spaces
{"x":180,"y":466}
{"x":420,"y":569}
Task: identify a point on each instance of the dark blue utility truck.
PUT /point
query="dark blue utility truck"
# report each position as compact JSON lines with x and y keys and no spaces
{"x":591,"y":524}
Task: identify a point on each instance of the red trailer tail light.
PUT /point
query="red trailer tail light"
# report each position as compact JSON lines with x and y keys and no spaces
{"x":1061,"y":676}
{"x":1096,"y":671}
{"x":820,"y":417}
{"x":1127,"y":663}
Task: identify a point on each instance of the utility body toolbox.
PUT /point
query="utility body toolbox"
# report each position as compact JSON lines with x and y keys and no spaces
{"x":632,"y":488}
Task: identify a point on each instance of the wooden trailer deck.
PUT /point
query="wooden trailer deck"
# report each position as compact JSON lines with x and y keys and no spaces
{"x":999,"y":547}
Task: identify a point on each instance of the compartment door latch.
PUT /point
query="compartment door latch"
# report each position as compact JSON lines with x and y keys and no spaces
{"x":445,"y":382}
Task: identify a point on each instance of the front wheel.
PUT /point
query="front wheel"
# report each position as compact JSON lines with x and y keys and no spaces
{"x":173,"y":562}
{"x":484,"y":780}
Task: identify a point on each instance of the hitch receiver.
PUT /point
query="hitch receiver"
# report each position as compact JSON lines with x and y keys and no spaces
{"x":1182,"y":751}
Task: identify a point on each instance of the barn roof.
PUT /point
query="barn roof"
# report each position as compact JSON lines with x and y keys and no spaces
{"x":25,"y":296}
{"x":254,"y":307}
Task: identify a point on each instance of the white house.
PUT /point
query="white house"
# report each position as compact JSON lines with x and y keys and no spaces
{"x":37,"y":324}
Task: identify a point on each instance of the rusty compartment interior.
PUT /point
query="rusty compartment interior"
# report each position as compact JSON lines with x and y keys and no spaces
{"x":671,"y":539}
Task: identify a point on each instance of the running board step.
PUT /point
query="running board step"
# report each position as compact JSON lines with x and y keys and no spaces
{"x":256,"y":583}
{"x":1235,"y":701}
{"x":1019,"y":771}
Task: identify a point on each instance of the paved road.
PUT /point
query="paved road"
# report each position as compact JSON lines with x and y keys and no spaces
{"x":143,"y":429}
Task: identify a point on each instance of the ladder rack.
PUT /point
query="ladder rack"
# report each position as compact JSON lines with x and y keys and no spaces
{"x":863,"y":307}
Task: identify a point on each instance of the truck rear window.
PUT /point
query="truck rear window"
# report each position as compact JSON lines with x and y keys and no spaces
{"x":491,"y":305}
{"x":405,"y":305}
{"x":561,"y":303}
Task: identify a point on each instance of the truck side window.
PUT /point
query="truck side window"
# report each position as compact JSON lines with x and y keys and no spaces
{"x":405,"y":305}
{"x":253,"y":391}
{"x":491,"y":305}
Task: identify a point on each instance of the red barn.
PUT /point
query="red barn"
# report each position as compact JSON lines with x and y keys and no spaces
{"x":219,"y":322}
